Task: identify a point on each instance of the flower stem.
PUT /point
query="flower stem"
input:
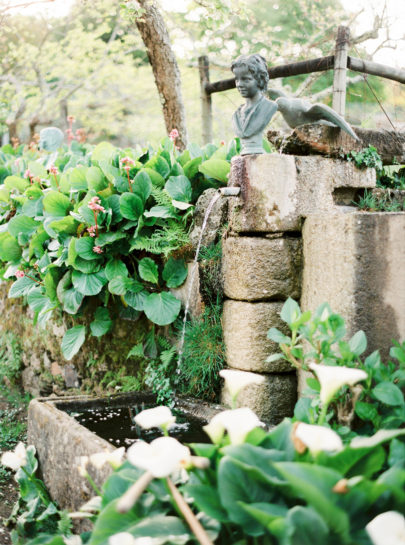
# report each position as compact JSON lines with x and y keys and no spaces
{"x":56,"y":181}
{"x":189,"y":516}
{"x":93,"y":485}
{"x":95,"y":220}
{"x":128,"y":500}
{"x":129,"y":182}
{"x":323,"y":414}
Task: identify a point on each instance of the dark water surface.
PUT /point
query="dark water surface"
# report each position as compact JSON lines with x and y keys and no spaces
{"x":116,"y":425}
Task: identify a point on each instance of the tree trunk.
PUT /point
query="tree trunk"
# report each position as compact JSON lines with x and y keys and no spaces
{"x":165,"y":69}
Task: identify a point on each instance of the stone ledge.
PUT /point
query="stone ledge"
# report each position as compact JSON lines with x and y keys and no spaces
{"x":279,"y":191}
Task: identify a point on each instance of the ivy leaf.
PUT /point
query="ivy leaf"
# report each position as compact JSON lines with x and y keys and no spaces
{"x":174,"y":272}
{"x":179,"y":188}
{"x":148,"y":270}
{"x":131,"y":206}
{"x":88,"y":284}
{"x":161,"y":308}
{"x":72,"y":341}
{"x":101,"y":323}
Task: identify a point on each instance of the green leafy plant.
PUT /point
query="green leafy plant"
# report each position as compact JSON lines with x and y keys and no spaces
{"x":294,"y":484}
{"x":101,"y":223}
{"x":10,"y":357}
{"x":391,"y":176}
{"x":371,"y":202}
{"x":203,"y":355}
{"x":34,"y":512}
{"x":320,"y":340}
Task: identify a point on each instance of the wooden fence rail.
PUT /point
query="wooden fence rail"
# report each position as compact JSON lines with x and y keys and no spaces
{"x":340,"y":62}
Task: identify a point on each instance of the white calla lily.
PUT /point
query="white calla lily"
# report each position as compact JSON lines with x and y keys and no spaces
{"x":158,"y":417}
{"x":237,"y":422}
{"x":124,"y":538}
{"x":16,"y":458}
{"x":387,"y":529}
{"x":235,"y":380}
{"x":333,"y":377}
{"x":318,"y":438}
{"x":161,"y":457}
{"x":73,"y":540}
{"x":114,"y":458}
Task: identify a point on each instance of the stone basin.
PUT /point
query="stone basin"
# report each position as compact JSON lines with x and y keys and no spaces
{"x":60,"y":439}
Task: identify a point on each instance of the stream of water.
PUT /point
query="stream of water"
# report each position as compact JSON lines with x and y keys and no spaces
{"x":192,"y":276}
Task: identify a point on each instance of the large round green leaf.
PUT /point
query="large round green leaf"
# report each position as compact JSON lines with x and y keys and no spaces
{"x":131,"y":206}
{"x":136,"y":300}
{"x":56,"y":204}
{"x":103,"y":152}
{"x":161,"y":308}
{"x":10,"y":250}
{"x":22,"y":286}
{"x":22,"y":224}
{"x":174,"y":272}
{"x":15,"y":182}
{"x":142,"y":185}
{"x":148,"y":270}
{"x":67,"y":225}
{"x":179,"y":188}
{"x":216,"y":168}
{"x":101,"y":323}
{"x":114,"y":268}
{"x":72,"y":341}
{"x":84,"y":248}
{"x":388,"y":393}
{"x":88,"y":284}
{"x":156,"y":178}
{"x":95,"y":179}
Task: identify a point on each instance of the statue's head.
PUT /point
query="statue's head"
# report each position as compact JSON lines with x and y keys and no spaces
{"x":50,"y":138}
{"x":256,"y":65}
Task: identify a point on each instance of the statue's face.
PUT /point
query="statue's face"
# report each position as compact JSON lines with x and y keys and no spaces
{"x":245,"y":82}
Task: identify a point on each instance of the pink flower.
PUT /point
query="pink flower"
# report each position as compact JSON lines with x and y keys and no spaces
{"x":71,"y":119}
{"x":53,"y":170}
{"x":97,"y":250}
{"x":20,"y":274}
{"x":27,"y":174}
{"x":127,"y":161}
{"x":92,"y":230}
{"x":173,"y":135}
{"x":94,"y":204}
{"x":222,"y":143}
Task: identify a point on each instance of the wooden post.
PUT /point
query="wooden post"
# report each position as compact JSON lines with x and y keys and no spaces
{"x":206,"y":101}
{"x":340,"y":68}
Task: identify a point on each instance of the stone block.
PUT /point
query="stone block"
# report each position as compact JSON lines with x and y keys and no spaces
{"x":257,"y":269}
{"x":60,"y":441}
{"x":272,"y":398}
{"x":356,"y":263}
{"x":216,"y":219}
{"x":245,"y":327}
{"x":278,"y":191}
{"x":190,"y":291}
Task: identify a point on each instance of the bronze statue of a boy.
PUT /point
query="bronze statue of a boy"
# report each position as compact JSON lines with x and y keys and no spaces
{"x":250,"y":119}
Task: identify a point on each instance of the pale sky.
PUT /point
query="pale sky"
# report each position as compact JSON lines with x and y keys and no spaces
{"x":395,"y":10}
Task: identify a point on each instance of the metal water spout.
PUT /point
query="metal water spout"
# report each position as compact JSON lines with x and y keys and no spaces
{"x":229,"y":191}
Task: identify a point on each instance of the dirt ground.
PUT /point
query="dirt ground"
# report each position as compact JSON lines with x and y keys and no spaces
{"x":8,"y":486}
